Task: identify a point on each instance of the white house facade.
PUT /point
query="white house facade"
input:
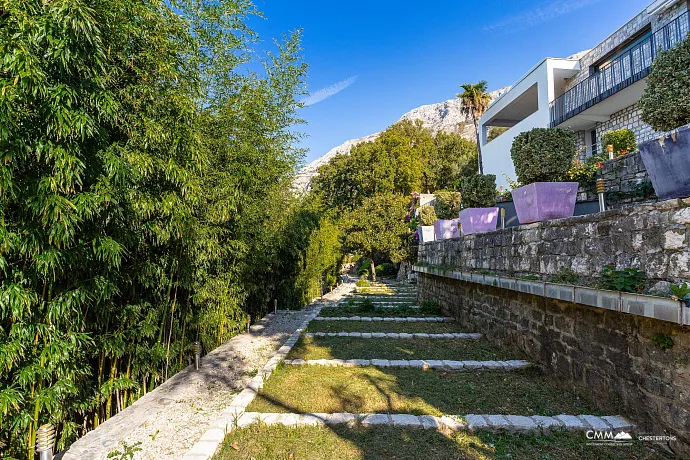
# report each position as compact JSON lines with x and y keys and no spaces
{"x":591,"y":93}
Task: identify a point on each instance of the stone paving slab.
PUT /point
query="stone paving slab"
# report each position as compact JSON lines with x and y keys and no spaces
{"x":471,"y":422}
{"x":394,"y":335}
{"x":427,"y":319}
{"x":403,"y":363}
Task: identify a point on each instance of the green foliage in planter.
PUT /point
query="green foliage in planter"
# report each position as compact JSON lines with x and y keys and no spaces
{"x":627,"y":280}
{"x":665,"y":104}
{"x":663,"y":341}
{"x":543,"y":155}
{"x":478,"y":191}
{"x":427,"y":215}
{"x":680,"y":291}
{"x":364,"y":265}
{"x":447,"y":204}
{"x":623,"y":141}
{"x":565,"y":276}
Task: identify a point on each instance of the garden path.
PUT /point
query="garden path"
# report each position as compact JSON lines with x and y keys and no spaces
{"x":171,"y":418}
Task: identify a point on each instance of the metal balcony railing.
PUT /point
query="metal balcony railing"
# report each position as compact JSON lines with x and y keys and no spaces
{"x":621,"y":72}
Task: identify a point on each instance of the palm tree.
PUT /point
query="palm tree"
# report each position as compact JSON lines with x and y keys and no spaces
{"x":475,"y":101}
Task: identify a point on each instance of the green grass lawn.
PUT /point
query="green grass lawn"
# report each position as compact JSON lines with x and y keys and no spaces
{"x":304,"y":389}
{"x":341,"y":442}
{"x":379,"y":326}
{"x":356,"y":348}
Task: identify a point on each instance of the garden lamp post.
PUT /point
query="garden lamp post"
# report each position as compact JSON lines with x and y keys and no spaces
{"x":45,"y":438}
{"x":601,"y":191}
{"x":197,"y":355}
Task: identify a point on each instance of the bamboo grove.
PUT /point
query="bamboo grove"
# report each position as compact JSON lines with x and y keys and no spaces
{"x":146,"y":153}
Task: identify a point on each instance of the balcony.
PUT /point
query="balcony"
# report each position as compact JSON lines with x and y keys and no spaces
{"x":622,"y":72}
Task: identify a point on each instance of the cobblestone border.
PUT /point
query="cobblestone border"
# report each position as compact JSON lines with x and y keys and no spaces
{"x":471,"y":422}
{"x":395,"y":335}
{"x":429,"y":319}
{"x":417,"y":363}
{"x":207,"y":445}
{"x":377,"y":305}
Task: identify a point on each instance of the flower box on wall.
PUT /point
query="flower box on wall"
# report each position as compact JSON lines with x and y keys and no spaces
{"x":426,"y":234}
{"x":542,"y":201}
{"x":478,"y":220}
{"x":668,"y":163}
{"x":447,"y":229}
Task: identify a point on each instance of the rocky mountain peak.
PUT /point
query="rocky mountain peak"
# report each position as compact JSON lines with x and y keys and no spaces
{"x":447,"y":116}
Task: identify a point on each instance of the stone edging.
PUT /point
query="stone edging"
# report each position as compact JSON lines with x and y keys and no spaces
{"x":429,"y":319}
{"x":207,"y":445}
{"x":378,"y":305}
{"x":659,"y":308}
{"x":395,"y":335}
{"x":472,"y":422}
{"x":417,"y":363}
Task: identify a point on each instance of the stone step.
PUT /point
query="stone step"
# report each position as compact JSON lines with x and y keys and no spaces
{"x":396,"y":335}
{"x":471,"y":422}
{"x":417,"y":363}
{"x":429,"y":319}
{"x":377,"y":304}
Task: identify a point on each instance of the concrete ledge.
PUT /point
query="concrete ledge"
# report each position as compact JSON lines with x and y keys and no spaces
{"x":471,"y":422}
{"x":395,"y":335}
{"x":429,"y":319}
{"x":420,"y":364}
{"x":661,"y":308}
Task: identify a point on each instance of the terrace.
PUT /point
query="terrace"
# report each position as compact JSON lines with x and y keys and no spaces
{"x":623,"y":71}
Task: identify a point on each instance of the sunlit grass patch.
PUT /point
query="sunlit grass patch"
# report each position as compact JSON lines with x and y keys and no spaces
{"x":304,"y":389}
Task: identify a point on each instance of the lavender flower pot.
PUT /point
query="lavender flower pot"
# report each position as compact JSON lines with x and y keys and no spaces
{"x":545,"y":201}
{"x":478,"y":220}
{"x":447,"y":229}
{"x":426,"y":234}
{"x":668,"y":163}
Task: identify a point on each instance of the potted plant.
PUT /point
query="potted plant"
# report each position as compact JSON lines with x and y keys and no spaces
{"x":479,"y":214}
{"x":427,"y":218}
{"x":666,"y":108}
{"x":542,"y":158}
{"x":447,"y":206}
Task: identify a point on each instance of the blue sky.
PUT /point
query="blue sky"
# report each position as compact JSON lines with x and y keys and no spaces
{"x":371,"y":61}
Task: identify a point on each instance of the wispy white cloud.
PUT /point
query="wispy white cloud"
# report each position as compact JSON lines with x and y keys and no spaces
{"x":545,"y":12}
{"x":328,"y":91}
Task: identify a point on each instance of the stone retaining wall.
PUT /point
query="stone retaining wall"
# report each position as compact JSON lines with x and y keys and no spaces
{"x":627,"y":181}
{"x":607,"y":355}
{"x":653,"y":238}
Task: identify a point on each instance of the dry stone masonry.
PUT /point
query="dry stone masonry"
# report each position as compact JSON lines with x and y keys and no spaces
{"x":653,"y":238}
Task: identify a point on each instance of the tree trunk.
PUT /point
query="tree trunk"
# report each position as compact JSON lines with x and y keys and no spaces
{"x":479,"y":145}
{"x":373,"y":269}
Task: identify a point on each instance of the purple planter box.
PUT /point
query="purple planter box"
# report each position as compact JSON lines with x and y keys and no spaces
{"x":447,"y":229}
{"x":545,"y":201}
{"x":668,"y":163}
{"x":478,"y":220}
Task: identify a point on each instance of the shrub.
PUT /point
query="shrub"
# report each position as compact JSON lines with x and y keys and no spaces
{"x":626,"y":280}
{"x":427,"y":215}
{"x":364,"y":265}
{"x":366,"y":306}
{"x":429,"y":307}
{"x":386,"y":269}
{"x":623,"y":141}
{"x":543,"y":155}
{"x":478,"y":191}
{"x":447,"y":204}
{"x":665,"y":103}
{"x":363,"y":283}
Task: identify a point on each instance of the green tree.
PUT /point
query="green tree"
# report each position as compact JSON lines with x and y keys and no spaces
{"x":377,"y":227}
{"x":143,"y":170}
{"x":476,"y":100}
